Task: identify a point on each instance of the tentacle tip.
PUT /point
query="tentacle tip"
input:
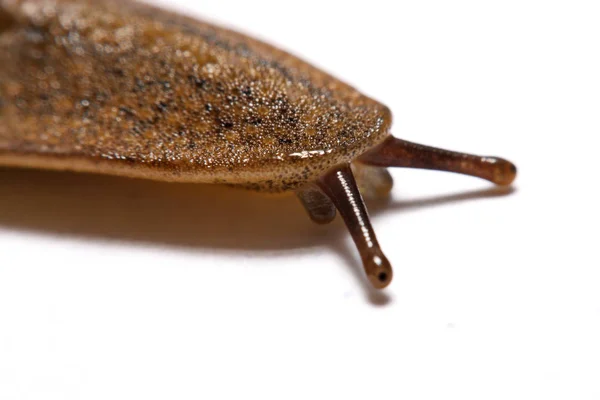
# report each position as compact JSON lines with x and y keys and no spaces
{"x":504,"y":173}
{"x":379,"y":271}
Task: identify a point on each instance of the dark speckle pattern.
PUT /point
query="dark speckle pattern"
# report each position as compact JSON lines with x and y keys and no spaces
{"x":129,"y":89}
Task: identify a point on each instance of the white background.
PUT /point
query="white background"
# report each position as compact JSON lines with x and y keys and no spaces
{"x":122,"y":289}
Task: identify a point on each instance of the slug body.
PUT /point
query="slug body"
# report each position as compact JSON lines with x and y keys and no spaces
{"x":123,"y":88}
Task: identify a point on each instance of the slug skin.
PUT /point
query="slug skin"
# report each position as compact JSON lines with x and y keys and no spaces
{"x":123,"y":88}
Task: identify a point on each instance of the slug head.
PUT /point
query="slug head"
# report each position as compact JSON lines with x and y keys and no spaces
{"x":340,"y":187}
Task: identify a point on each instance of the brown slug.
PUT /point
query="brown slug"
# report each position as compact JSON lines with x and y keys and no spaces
{"x":124,"y":88}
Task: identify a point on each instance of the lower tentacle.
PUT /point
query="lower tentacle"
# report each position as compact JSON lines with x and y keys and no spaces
{"x":340,"y":186}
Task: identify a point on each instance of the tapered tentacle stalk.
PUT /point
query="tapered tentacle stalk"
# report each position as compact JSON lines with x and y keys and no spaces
{"x":395,"y":152}
{"x":339,"y":185}
{"x":318,"y":206}
{"x":373,"y":182}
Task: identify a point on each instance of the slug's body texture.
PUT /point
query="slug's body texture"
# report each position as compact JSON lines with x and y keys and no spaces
{"x":124,"y":88}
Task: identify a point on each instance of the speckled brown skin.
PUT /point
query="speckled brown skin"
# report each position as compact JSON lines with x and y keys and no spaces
{"x":118,"y":87}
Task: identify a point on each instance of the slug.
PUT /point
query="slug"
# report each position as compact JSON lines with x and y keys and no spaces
{"x":124,"y":88}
